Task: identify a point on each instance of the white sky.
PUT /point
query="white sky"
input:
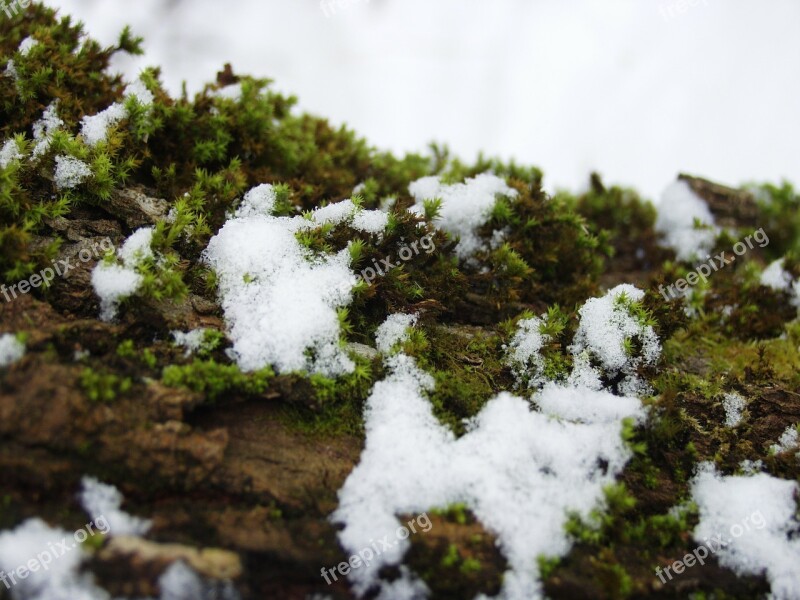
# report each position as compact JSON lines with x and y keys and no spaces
{"x":570,"y":86}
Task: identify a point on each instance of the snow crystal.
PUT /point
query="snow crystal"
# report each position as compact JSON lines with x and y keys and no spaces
{"x":788,"y":441}
{"x":393,"y":330}
{"x":113,"y":282}
{"x":70,"y":172}
{"x":775,"y":277}
{"x":102,"y":501}
{"x":678,"y":210}
{"x":755,"y":517}
{"x":26,"y":45}
{"x":11,"y":350}
{"x":191,"y":341}
{"x":519,"y":471}
{"x":10,"y":152}
{"x":44,"y":129}
{"x":606,"y":324}
{"x":94,"y":128}
{"x":733,"y":404}
{"x":465,"y":206}
{"x":280,"y":299}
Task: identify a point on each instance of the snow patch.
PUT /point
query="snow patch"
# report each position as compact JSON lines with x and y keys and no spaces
{"x":191,"y":341}
{"x":11,"y":350}
{"x":113,"y":282}
{"x":788,"y":441}
{"x":678,"y":211}
{"x":776,"y":278}
{"x":519,"y":471}
{"x":94,"y":128}
{"x":61,"y":580}
{"x":769,"y":544}
{"x":26,"y":45}
{"x":607,"y":328}
{"x":44,"y":129}
{"x":733,"y":404}
{"x":70,"y":172}
{"x":9,"y":153}
{"x":101,"y":500}
{"x":525,"y":348}
{"x":280,"y":299}
{"x":393,"y":330}
{"x":465,"y":206}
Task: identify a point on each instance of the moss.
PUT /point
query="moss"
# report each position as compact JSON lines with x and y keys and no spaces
{"x":103,"y":387}
{"x":213,"y":380}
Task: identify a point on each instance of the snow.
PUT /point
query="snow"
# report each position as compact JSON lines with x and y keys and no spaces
{"x":70,"y":172}
{"x":678,"y":211}
{"x":733,"y":404}
{"x":103,"y":501}
{"x":11,"y":71}
{"x":371,"y":221}
{"x":776,"y":278}
{"x":11,"y":350}
{"x":465,"y":206}
{"x":44,"y":129}
{"x":191,"y":341}
{"x":258,"y":201}
{"x":393,"y":330}
{"x":755,"y":515}
{"x":524,"y":356}
{"x":280,"y":300}
{"x":94,"y":128}
{"x":114,"y":282}
{"x":519,"y":471}
{"x":788,"y":441}
{"x":606,"y":324}
{"x":26,"y":45}
{"x":60,"y":577}
{"x":61,"y":580}
{"x":181,"y":582}
{"x":9,"y":153}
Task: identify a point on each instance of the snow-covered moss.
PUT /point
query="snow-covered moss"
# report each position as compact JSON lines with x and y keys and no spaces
{"x":465,"y":207}
{"x":755,"y":519}
{"x":519,"y":471}
{"x":686,"y":222}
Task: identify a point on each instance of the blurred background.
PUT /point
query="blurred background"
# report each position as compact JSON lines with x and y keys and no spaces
{"x":638,"y":90}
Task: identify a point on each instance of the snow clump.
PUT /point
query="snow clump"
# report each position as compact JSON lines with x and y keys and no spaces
{"x":281,"y":299}
{"x":465,"y":208}
{"x":679,"y":213}
{"x":754,"y":519}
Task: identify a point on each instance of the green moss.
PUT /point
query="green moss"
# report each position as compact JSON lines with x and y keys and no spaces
{"x":215,"y":380}
{"x":103,"y":387}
